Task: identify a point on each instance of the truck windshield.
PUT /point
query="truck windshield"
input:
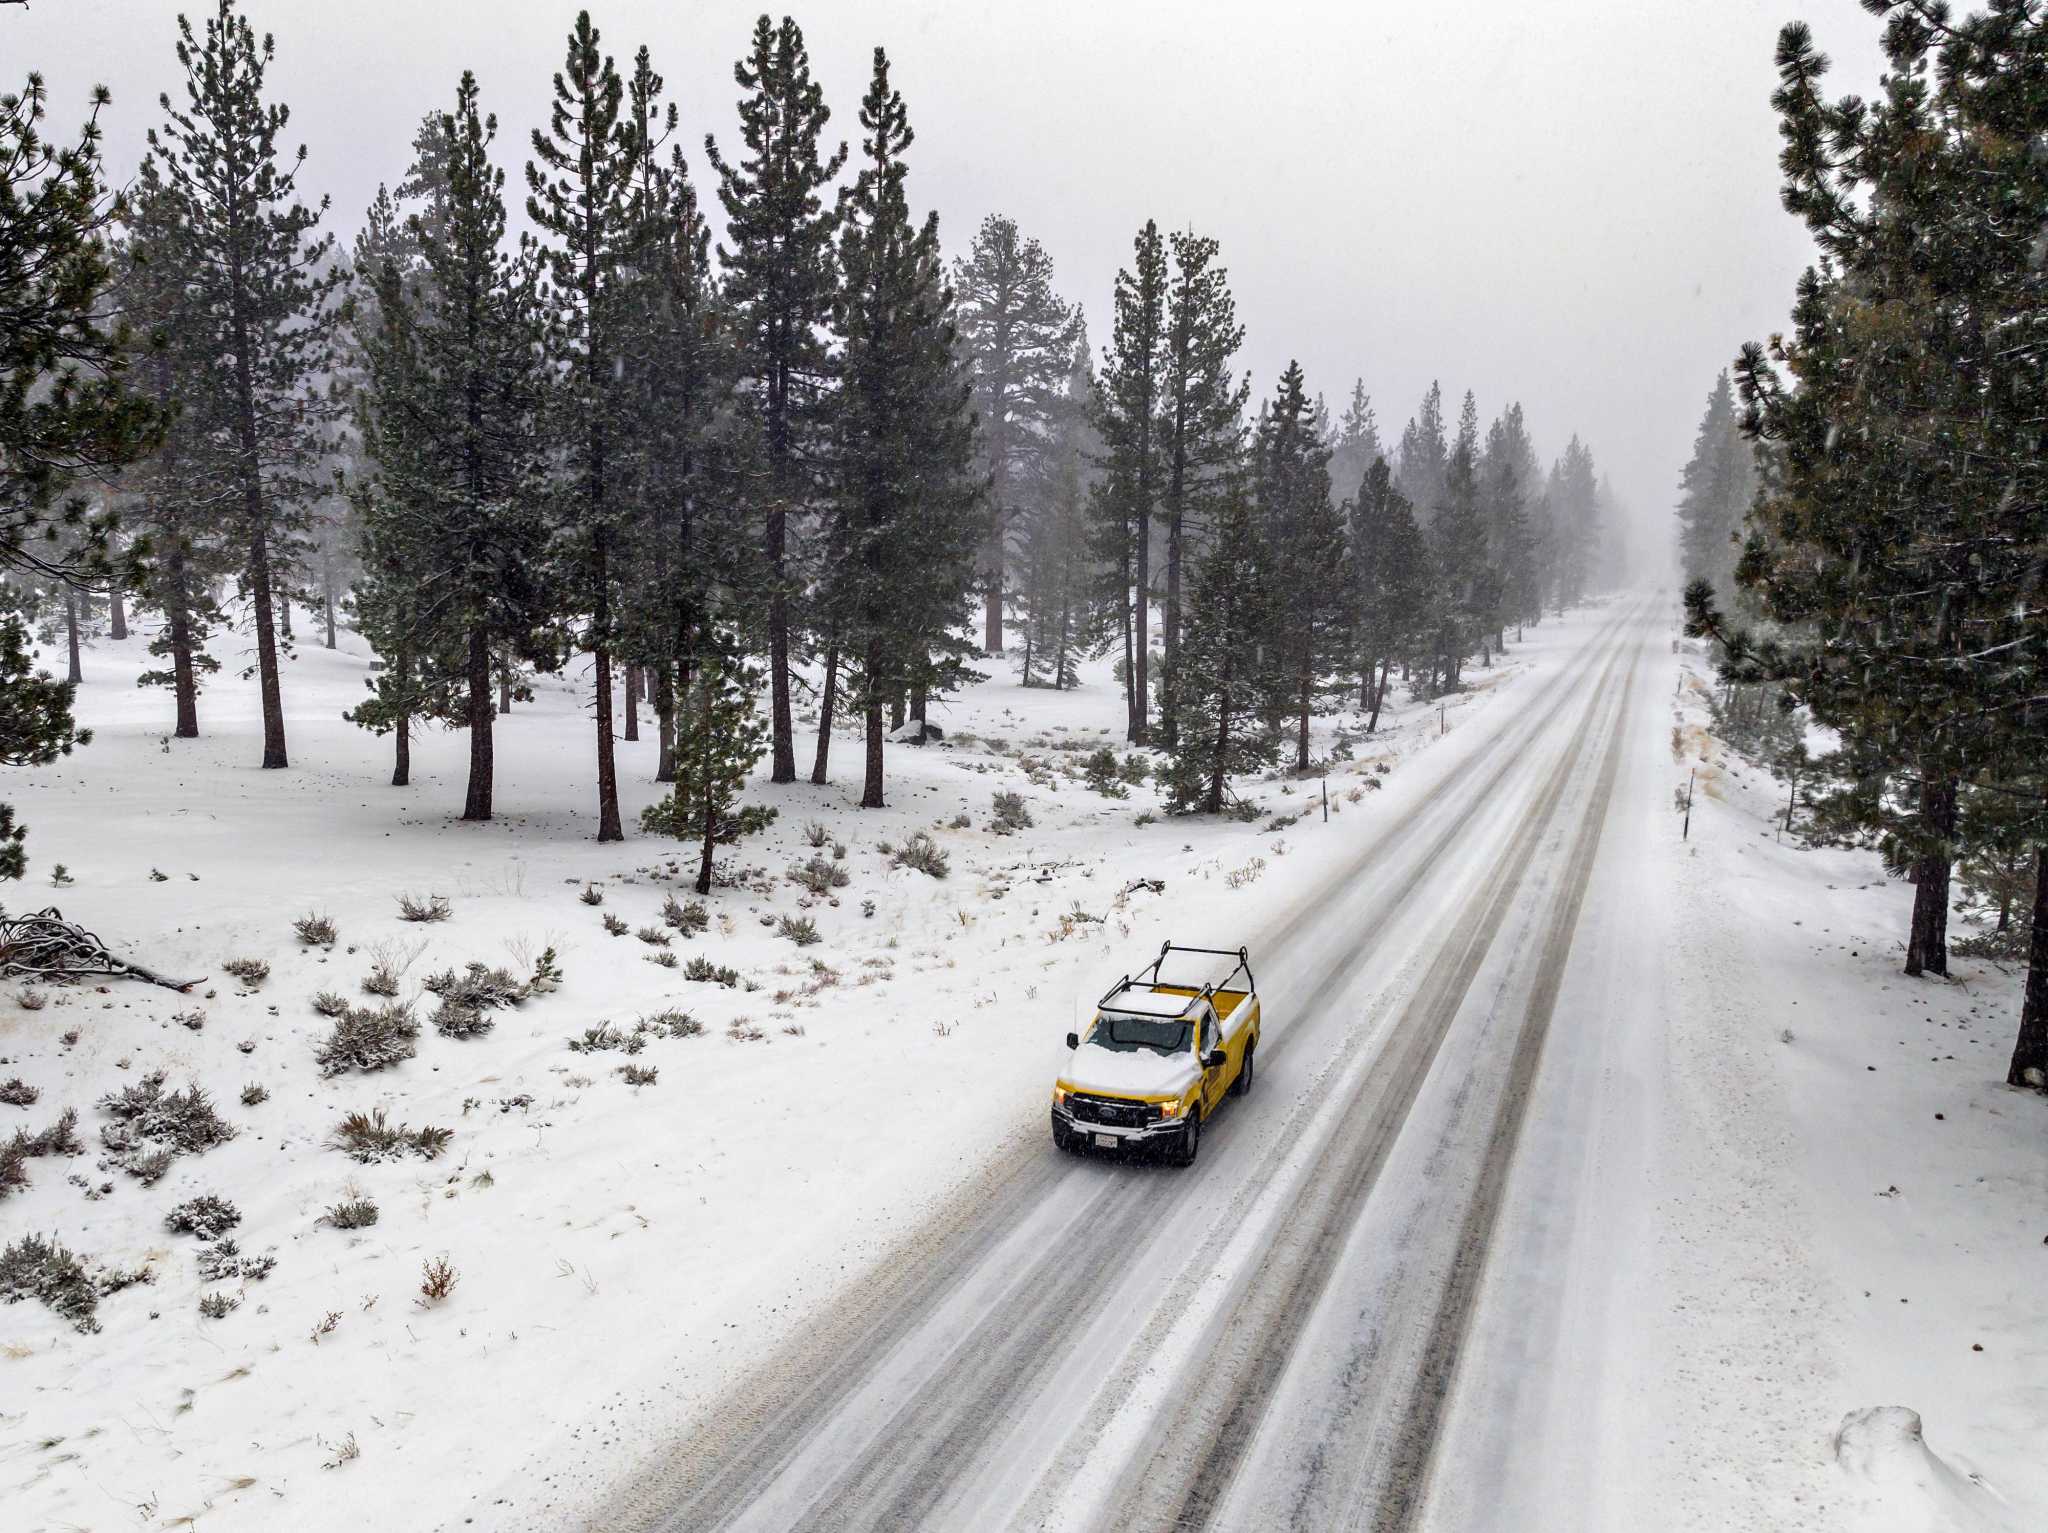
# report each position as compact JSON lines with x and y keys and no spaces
{"x":1126,"y":1035}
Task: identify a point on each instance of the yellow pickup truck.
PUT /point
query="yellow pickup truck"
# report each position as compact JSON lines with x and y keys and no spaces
{"x":1163,"y":1049}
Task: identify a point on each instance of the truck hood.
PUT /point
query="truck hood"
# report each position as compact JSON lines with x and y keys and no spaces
{"x":1136,"y":1073}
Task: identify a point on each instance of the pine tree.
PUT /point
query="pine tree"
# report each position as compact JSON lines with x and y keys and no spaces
{"x":1202,"y":425}
{"x":1902,"y":518}
{"x":579,"y":184}
{"x":1225,"y":690}
{"x":678,"y":374}
{"x":1573,"y":494}
{"x":1392,"y":583}
{"x":449,"y":420}
{"x":1424,"y":456}
{"x":1715,"y":490}
{"x":719,"y":737}
{"x":780,"y":282}
{"x":1017,"y":334}
{"x":260,"y":311}
{"x":1468,"y":592}
{"x":1357,"y":446}
{"x":1306,"y":558}
{"x":1508,"y":479}
{"x":909,"y":506}
{"x":1127,"y":396}
{"x":1063,"y":619}
{"x":171,"y":500}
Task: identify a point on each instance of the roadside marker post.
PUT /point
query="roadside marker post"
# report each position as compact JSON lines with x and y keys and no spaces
{"x":1686,"y":833}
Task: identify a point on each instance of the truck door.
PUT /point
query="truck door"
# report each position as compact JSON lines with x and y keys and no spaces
{"x":1213,"y":1081}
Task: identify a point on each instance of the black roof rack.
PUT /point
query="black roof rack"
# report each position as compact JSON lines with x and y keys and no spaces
{"x":1149,"y":976}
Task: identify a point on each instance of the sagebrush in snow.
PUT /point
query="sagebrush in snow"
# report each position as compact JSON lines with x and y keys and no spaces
{"x":820,"y":875}
{"x":368,"y":1039}
{"x":424,"y":907}
{"x":13,"y":1168}
{"x":591,"y":895}
{"x":328,"y":1003}
{"x":315,"y":930}
{"x":703,"y":969}
{"x":351,"y":1214}
{"x":1011,"y":814}
{"x":639,"y":1075}
{"x":60,"y":1138}
{"x":468,"y":998}
{"x":671,"y":1024}
{"x":42,"y":1269}
{"x":653,"y":936}
{"x":372,"y":1137}
{"x":218,"y":1306}
{"x":154,"y":1126}
{"x":817,"y":834}
{"x":664,"y":958}
{"x":255,"y":1094}
{"x":798,"y":929}
{"x":204,"y":1216}
{"x":17,"y":1092}
{"x":605,"y":1037}
{"x":28,"y":998}
{"x":924,"y":855}
{"x":437,"y":1280}
{"x":615,"y":925}
{"x":689,"y":917}
{"x":250,"y":971}
{"x":224,"y":1259}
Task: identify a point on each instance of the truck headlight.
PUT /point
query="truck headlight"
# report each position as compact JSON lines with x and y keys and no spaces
{"x":1059,"y":1096}
{"x":1169,"y":1109}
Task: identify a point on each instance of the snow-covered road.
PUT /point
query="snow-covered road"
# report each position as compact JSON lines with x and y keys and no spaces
{"x":1363,"y":1306}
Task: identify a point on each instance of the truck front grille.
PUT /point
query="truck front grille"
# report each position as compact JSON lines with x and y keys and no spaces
{"x":1110,"y":1112}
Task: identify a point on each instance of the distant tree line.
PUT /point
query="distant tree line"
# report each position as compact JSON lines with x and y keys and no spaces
{"x":813,"y":462}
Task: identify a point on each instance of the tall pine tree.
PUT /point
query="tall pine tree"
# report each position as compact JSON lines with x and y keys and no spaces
{"x":579,"y":184}
{"x":780,"y":281}
{"x":1202,"y":419}
{"x":1127,"y":397}
{"x":1018,"y":336}
{"x":260,"y":311}
{"x":909,"y":505}
{"x":1304,"y":537}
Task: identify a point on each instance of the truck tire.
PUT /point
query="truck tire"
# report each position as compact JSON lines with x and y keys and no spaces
{"x":1189,"y":1145}
{"x":1242,"y":1086}
{"x":1063,"y":1141}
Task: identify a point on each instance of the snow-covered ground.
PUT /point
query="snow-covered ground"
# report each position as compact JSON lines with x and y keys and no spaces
{"x":1853,"y":1206}
{"x":621,"y":1250}
{"x":1815,"y":1244}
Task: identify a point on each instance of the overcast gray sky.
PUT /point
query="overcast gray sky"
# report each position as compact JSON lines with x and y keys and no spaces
{"x":1568,"y":202}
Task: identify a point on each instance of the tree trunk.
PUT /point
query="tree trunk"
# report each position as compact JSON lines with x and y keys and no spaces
{"x":871,"y":783}
{"x":664,"y":687}
{"x":284,"y":614}
{"x":1927,"y":947}
{"x":1141,"y":692}
{"x":608,"y":827}
{"x":117,"y":613}
{"x":632,"y":701}
{"x":1130,"y":674}
{"x":401,"y":766}
{"x":2030,"y":1053}
{"x":896,"y":711}
{"x":917,"y":702}
{"x":266,"y":641}
{"x":707,"y":807}
{"x":505,"y":691}
{"x":327,"y":606}
{"x":781,"y":725}
{"x":1379,"y":696}
{"x":184,"y":677}
{"x":828,"y":699}
{"x":71,"y":631}
{"x":1307,"y":694}
{"x":477,"y":806}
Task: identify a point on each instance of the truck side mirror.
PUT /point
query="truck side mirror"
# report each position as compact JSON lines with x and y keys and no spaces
{"x":1214,"y":1059}
{"x":1073,"y":1040}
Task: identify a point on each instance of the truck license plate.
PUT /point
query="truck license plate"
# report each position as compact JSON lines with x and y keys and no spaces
{"x":1105,"y":1141}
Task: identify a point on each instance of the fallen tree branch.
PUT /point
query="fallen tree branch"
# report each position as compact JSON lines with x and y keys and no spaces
{"x":45,"y":946}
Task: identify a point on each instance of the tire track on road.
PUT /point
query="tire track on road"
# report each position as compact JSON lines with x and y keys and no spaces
{"x":1199,"y":1451}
